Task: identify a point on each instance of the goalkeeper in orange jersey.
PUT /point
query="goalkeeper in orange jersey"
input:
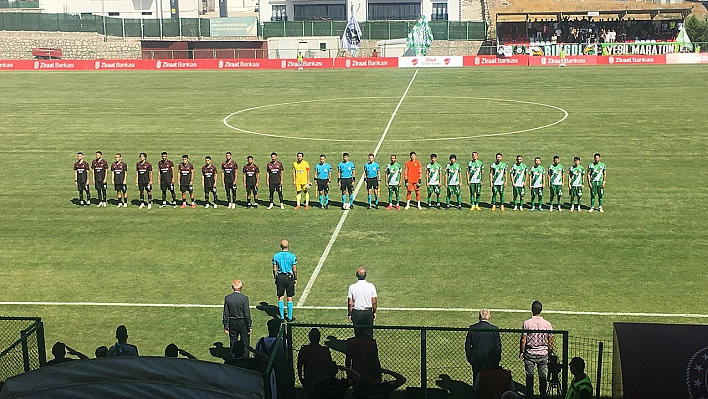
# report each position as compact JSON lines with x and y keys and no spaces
{"x":413,"y":175}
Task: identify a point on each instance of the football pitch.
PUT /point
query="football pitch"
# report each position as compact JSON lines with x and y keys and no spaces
{"x":80,"y":269}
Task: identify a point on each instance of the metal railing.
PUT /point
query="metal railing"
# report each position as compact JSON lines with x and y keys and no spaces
{"x":22,"y":343}
{"x":431,"y":358}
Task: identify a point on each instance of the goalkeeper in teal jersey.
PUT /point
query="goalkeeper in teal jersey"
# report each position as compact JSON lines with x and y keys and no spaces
{"x":433,"y":173}
{"x":575,"y":182}
{"x":537,"y":175}
{"x":393,"y":182}
{"x":497,"y":180}
{"x":597,"y":174}
{"x":556,"y":177}
{"x":519,"y":174}
{"x":475,"y":169}
{"x":453,"y":171}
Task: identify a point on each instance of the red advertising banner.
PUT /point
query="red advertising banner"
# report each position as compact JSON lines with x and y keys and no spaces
{"x":577,"y":60}
{"x":687,"y":58}
{"x":377,"y":62}
{"x":493,"y":60}
{"x":631,"y":60}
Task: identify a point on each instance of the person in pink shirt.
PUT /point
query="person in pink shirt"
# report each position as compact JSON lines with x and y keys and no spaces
{"x":535,"y":347}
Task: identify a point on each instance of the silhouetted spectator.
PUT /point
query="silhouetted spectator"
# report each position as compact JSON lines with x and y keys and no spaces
{"x":250,"y":363}
{"x":510,"y":395}
{"x":493,"y":380}
{"x":580,"y":387}
{"x":267,"y":346}
{"x":332,"y":387}
{"x":173,"y":351}
{"x":363,"y":356}
{"x":378,"y":390}
{"x":101,"y":351}
{"x":59,"y":350}
{"x":122,"y":347}
{"x":311,"y":362}
{"x":479,"y":343}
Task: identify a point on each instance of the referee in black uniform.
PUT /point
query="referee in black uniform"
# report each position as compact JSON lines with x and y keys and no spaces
{"x":237,"y":319}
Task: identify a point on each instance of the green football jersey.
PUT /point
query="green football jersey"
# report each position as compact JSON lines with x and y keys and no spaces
{"x":497,"y":170}
{"x":453,"y":174}
{"x":597,"y":172}
{"x":556,"y":174}
{"x":518,"y":174}
{"x":475,"y":169}
{"x":393,"y":174}
{"x":575,"y":174}
{"x":434,"y":170}
{"x":537,"y":173}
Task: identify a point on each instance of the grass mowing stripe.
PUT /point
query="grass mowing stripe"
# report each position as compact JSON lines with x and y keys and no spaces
{"x":321,"y":262}
{"x":196,"y":305}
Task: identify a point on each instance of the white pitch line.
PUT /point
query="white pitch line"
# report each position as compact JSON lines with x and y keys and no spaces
{"x":195,"y":305}
{"x":316,"y":272}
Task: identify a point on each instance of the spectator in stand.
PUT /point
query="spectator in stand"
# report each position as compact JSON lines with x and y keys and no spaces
{"x":534,"y":349}
{"x":378,"y":390}
{"x":122,"y":347}
{"x":363,"y":357}
{"x":173,"y":351}
{"x":311,"y":362}
{"x":493,"y":381}
{"x":479,"y":344}
{"x":374,"y":53}
{"x":266,"y":346}
{"x":101,"y":351}
{"x":59,"y":350}
{"x":332,"y":387}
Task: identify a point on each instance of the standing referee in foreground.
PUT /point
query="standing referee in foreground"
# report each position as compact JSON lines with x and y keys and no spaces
{"x":285,"y":275}
{"x":362,"y":304}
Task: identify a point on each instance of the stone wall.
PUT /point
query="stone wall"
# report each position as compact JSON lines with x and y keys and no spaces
{"x":75,"y":46}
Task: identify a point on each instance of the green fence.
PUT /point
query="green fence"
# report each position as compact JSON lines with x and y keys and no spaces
{"x":19,"y":4}
{"x":21,"y":345}
{"x":442,"y":30}
{"x":433,"y":358}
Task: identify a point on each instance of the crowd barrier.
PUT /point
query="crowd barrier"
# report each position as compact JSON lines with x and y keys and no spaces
{"x":351,"y":63}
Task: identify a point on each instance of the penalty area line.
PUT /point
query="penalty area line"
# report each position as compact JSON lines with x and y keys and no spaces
{"x":337,"y":229}
{"x":338,"y":308}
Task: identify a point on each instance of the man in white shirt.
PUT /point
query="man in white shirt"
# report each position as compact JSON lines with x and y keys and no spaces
{"x":362,"y":304}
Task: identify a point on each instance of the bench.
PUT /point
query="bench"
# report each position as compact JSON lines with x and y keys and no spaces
{"x":47,"y":53}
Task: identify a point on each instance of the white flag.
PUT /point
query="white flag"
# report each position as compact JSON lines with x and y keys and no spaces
{"x":351,"y":39}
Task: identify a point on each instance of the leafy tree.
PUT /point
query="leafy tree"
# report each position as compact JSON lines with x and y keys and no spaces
{"x":697,"y":30}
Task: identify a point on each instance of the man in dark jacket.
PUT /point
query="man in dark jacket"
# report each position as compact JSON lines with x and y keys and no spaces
{"x":237,"y":319}
{"x":481,"y":338}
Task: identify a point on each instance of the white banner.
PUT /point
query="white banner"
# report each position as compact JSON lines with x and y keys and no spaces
{"x":427,"y":62}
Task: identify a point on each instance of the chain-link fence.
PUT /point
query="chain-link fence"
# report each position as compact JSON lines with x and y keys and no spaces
{"x":21,"y":344}
{"x":431,"y":358}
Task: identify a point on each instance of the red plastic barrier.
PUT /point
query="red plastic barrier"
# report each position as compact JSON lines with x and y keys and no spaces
{"x":493,"y":60}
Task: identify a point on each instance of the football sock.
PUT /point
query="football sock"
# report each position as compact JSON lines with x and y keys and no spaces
{"x":149,"y":197}
{"x":88,"y":196}
{"x":351,"y":199}
{"x":502,"y":198}
{"x":376,"y":199}
{"x":398,"y":197}
{"x":592,"y":202}
{"x":344,"y":199}
{"x":369,"y":199}
{"x":280,"y":196}
{"x":290,"y":310}
{"x":390,"y":196}
{"x":494,"y":198}
{"x":321,"y":199}
{"x":281,"y":309}
{"x":81,"y":195}
{"x":326,"y":199}
{"x":599,"y":201}
{"x":174,"y":198}
{"x":164,"y":195}
{"x":298,"y":198}
{"x":307,"y":197}
{"x":459,"y":202}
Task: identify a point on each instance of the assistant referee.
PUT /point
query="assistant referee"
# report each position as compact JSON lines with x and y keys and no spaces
{"x":285,"y":275}
{"x":362,"y":304}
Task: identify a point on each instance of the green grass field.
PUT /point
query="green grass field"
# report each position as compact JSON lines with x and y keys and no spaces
{"x":645,"y":254}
